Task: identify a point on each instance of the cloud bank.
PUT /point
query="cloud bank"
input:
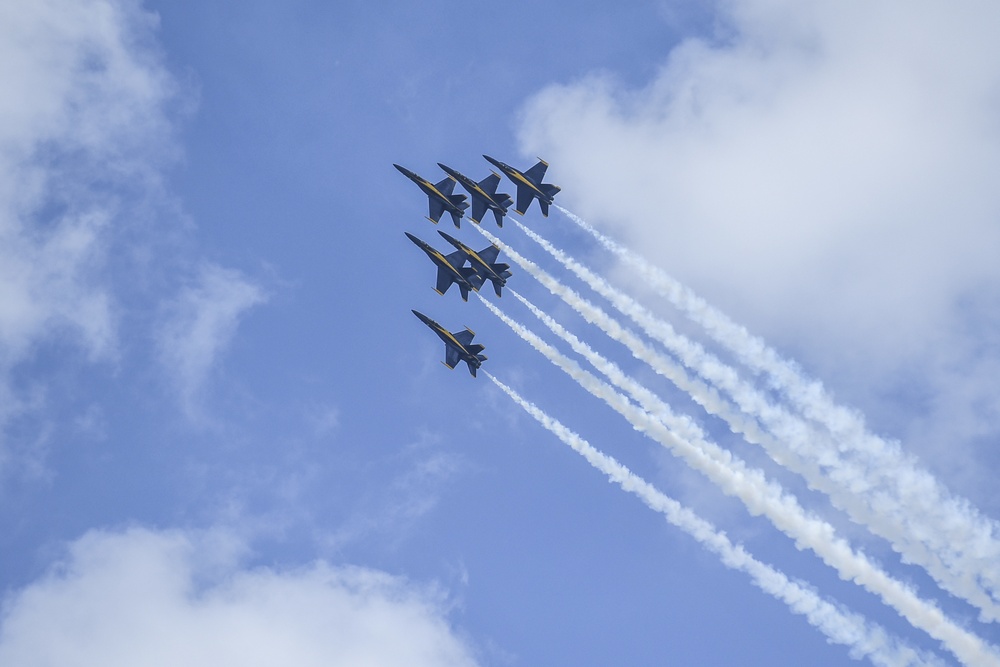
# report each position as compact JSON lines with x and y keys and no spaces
{"x":142,"y":597}
{"x":823,"y":170}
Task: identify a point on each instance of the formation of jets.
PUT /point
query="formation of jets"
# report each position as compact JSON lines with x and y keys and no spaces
{"x":483,"y":265}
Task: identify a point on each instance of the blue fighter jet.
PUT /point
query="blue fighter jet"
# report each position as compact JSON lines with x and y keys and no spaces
{"x":529,"y":185}
{"x":484,"y":195}
{"x":457,"y":346}
{"x":439,"y":196}
{"x":450,"y":270}
{"x":484,"y":262}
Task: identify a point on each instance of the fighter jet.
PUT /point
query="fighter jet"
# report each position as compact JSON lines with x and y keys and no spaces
{"x":484,"y":262}
{"x":440,"y":196}
{"x":529,"y":185}
{"x":484,"y":195}
{"x":457,"y":346}
{"x":450,"y":270}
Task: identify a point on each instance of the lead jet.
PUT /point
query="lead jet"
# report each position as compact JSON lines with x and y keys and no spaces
{"x":449,"y":270}
{"x":439,"y":196}
{"x":484,"y":263}
{"x":484,"y":195}
{"x":457,"y":346}
{"x":529,"y":185}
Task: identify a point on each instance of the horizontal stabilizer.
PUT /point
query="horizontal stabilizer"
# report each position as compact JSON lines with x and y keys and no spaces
{"x":458,"y":201}
{"x":550,"y":189}
{"x":475,"y":349}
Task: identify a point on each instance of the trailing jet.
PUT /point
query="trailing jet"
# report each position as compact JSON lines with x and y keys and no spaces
{"x":440,"y":196}
{"x":457,"y":346}
{"x":529,"y":185}
{"x":484,"y":262}
{"x":484,"y":195}
{"x":450,"y":270}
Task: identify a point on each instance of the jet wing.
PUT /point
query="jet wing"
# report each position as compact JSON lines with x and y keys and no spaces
{"x":436,"y":209}
{"x":524,"y":196}
{"x":478,"y":208}
{"x":489,"y":254}
{"x":451,"y":356}
{"x":464,"y":336}
{"x":537,"y":173}
{"x":490,"y":183}
{"x":447,"y":186}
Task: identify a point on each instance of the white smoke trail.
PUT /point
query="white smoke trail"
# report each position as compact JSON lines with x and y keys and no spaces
{"x":763,"y":497}
{"x":949,"y":539}
{"x":839,"y":625}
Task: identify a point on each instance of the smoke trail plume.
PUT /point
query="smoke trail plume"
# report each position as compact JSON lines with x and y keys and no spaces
{"x":763,"y":497}
{"x":950,"y":540}
{"x":839,"y":625}
{"x":871,"y":479}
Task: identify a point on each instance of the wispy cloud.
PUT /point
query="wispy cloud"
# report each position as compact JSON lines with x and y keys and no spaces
{"x":84,"y":132}
{"x":198,"y":326}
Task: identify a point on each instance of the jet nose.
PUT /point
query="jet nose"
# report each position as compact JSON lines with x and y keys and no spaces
{"x":403,"y":170}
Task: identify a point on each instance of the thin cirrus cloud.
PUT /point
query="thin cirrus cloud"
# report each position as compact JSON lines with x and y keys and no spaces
{"x":198,"y":326}
{"x":172,"y":597}
{"x":81,"y":118}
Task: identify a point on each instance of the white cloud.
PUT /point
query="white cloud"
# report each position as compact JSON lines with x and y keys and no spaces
{"x":199,"y":325}
{"x":169,"y":598}
{"x":825,"y":171}
{"x":81,"y":117}
{"x":83,"y":133}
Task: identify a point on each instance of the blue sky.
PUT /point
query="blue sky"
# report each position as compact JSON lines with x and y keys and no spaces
{"x":224,"y":437}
